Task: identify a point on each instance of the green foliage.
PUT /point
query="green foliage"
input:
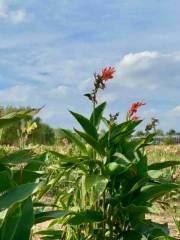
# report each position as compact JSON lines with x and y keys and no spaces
{"x":21,"y":173}
{"x":43,"y":134}
{"x":108,"y":184}
{"x":168,"y":140}
{"x":101,"y":190}
{"x":171,"y":132}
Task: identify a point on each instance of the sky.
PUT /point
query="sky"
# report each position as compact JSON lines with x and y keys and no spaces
{"x":49,"y":50}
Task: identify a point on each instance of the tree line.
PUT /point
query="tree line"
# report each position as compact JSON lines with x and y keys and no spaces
{"x":41,"y":134}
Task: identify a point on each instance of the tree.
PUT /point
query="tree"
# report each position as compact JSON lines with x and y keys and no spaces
{"x":171,"y":132}
{"x":159,"y":132}
{"x":43,"y":134}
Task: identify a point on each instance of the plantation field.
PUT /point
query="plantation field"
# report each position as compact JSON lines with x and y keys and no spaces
{"x":94,"y":185}
{"x":164,"y":212}
{"x":155,"y":153}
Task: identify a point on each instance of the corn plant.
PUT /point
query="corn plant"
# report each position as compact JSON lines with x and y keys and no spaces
{"x":107,"y":186}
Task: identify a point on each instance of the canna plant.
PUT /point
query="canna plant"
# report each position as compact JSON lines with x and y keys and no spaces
{"x":21,"y":176}
{"x":106,"y":187}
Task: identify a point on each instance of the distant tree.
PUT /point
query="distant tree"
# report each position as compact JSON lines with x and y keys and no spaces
{"x":10,"y":133}
{"x":171,"y":132}
{"x":159,"y":132}
{"x":43,"y":134}
{"x":59,"y":135}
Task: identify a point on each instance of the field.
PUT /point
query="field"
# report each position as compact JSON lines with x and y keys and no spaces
{"x":160,"y":153}
{"x":94,"y":184}
{"x":155,"y":153}
{"x":164,"y":213}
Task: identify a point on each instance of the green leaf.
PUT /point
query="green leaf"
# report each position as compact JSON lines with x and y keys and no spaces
{"x":129,"y":235}
{"x":10,"y":223}
{"x":139,"y":184}
{"x":87,"y":216}
{"x":154,"y":191}
{"x":23,"y":230}
{"x":50,"y":234}
{"x":17,"y":116}
{"x":125,"y":128}
{"x":146,"y":140}
{"x":5,"y":178}
{"x":16,"y":195}
{"x":115,"y":168}
{"x":26,"y":176}
{"x":96,"y":115}
{"x":86,"y":125}
{"x":49,"y":215}
{"x":154,"y":173}
{"x":18,"y":157}
{"x":75,"y":139}
{"x":92,"y":141}
{"x":98,"y":182}
{"x":162,"y":165}
{"x":134,"y":209}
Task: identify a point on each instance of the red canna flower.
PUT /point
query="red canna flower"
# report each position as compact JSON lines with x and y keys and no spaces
{"x":107,"y":73}
{"x":133,"y":109}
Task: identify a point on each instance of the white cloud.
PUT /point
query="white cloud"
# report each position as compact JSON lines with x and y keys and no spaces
{"x":175,"y":112}
{"x":17,"y":16}
{"x":14,"y":16}
{"x":149,"y":70}
{"x":61,"y":91}
{"x":18,"y":94}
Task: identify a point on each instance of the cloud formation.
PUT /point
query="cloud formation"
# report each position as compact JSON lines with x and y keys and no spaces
{"x":50,"y":58}
{"x":13,"y":16}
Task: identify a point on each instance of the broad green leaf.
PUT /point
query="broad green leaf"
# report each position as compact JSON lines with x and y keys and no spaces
{"x":10,"y":223}
{"x":75,"y":139}
{"x":146,"y":140}
{"x":87,"y":216}
{"x":162,"y":165}
{"x":98,"y":183}
{"x":134,"y":209}
{"x":130,"y":235}
{"x":139,"y":184}
{"x":115,"y":168}
{"x":125,"y":128}
{"x":26,"y":176}
{"x":86,"y":125}
{"x":92,"y":141}
{"x":96,"y":115}
{"x":5,"y":178}
{"x":17,"y":157}
{"x":49,"y":215}
{"x":23,"y":230}
{"x":16,"y":195}
{"x":154,"y":191}
{"x":154,"y":173}
{"x":17,"y":116}
{"x":50,"y":234}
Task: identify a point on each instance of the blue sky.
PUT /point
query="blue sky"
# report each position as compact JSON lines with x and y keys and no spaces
{"x":50,"y":49}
